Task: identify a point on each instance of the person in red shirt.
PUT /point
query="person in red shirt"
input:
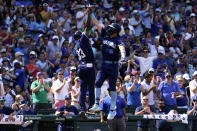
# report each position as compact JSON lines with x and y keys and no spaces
{"x":32,"y":68}
{"x":4,"y":34}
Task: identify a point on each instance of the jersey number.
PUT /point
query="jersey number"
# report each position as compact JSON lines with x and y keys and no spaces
{"x":80,"y":54}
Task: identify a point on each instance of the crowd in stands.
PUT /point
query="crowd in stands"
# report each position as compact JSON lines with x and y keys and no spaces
{"x":38,"y":59}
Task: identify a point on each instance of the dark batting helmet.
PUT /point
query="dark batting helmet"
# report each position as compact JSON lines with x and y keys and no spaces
{"x":77,"y":35}
{"x":116,"y":27}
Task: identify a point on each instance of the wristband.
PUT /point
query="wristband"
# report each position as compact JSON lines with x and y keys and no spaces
{"x":92,"y":15}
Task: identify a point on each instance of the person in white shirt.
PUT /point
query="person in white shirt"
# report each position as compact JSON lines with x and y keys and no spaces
{"x":193,"y":86}
{"x":155,"y":48}
{"x":9,"y":95}
{"x":75,"y":92}
{"x":121,"y":91}
{"x":61,"y":88}
{"x":2,"y":91}
{"x":148,"y":87}
{"x":19,"y":57}
{"x":145,"y":62}
{"x":104,"y":91}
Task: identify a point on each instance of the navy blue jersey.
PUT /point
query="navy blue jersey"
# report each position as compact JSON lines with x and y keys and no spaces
{"x":26,"y":112}
{"x":192,"y":123}
{"x":163,"y":124}
{"x":70,"y":109}
{"x":6,"y":110}
{"x":143,"y":123}
{"x":110,"y":49}
{"x":84,"y":50}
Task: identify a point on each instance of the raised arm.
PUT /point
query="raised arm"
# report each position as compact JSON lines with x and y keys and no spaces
{"x":96,"y":22}
{"x":88,"y":22}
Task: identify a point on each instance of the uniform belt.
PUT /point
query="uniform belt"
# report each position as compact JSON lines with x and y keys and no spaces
{"x":110,"y":62}
{"x":90,"y":65}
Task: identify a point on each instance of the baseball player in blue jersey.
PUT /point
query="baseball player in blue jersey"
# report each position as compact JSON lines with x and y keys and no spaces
{"x":86,"y":68}
{"x":112,"y":47}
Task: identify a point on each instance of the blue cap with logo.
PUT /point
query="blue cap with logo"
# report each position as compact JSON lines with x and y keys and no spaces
{"x":67,"y":97}
{"x":23,"y":103}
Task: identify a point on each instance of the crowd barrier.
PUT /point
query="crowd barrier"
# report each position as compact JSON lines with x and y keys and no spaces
{"x":49,"y":122}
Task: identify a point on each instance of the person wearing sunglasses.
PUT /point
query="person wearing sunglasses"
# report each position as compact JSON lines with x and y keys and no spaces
{"x":141,"y":110}
{"x":162,"y":125}
{"x":182,"y":100}
{"x":168,"y":90}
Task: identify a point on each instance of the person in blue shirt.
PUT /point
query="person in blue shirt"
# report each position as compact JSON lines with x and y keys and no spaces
{"x":160,"y":64}
{"x":19,"y":75}
{"x":144,"y":109}
{"x":66,"y":110}
{"x":182,"y":100}
{"x":168,"y":90}
{"x":118,"y":123}
{"x":25,"y":110}
{"x":192,"y":110}
{"x":112,"y":48}
{"x":5,"y":111}
{"x":162,"y":125}
{"x":133,"y":92}
{"x":86,"y":68}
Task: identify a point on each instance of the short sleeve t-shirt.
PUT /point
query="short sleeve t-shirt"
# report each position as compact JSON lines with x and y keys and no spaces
{"x":41,"y":95}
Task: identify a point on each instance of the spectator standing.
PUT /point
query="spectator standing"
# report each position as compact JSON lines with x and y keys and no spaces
{"x":53,"y":46}
{"x":18,"y":76}
{"x":133,"y":91}
{"x":75,"y":93}
{"x":160,"y":64}
{"x":148,"y":88}
{"x":121,"y":91}
{"x":168,"y":90}
{"x":39,"y":92}
{"x":192,"y":110}
{"x":182,"y":100}
{"x":61,"y":89}
{"x":136,"y":22}
{"x":118,"y":123}
{"x":193,"y":86}
{"x":32,"y":67}
{"x":145,"y":61}
{"x":19,"y":57}
{"x":9,"y":95}
{"x":16,"y":104}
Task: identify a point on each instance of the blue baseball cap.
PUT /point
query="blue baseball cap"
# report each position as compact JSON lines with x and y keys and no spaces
{"x":39,"y":73}
{"x":23,"y":103}
{"x":2,"y":98}
{"x":67,"y":97}
{"x":167,"y":74}
{"x":180,"y":65}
